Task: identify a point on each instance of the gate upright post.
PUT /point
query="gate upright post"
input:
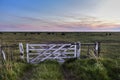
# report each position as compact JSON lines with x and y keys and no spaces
{"x":78,"y":48}
{"x":75,"y":50}
{"x":27,"y":50}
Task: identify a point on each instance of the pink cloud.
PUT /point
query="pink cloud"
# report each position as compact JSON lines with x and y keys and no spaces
{"x":63,"y":24}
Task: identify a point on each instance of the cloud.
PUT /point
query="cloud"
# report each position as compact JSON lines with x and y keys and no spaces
{"x":109,"y":9}
{"x":59,"y":23}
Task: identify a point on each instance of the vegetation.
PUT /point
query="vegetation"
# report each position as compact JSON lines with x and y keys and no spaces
{"x":12,"y":70}
{"x":106,"y":67}
{"x":49,"y":70}
{"x":91,"y":69}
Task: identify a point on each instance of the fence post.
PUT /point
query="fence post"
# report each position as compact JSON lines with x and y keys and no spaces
{"x":2,"y":53}
{"x":4,"y":56}
{"x":75,"y":50}
{"x":27,"y":50}
{"x":97,"y":48}
{"x":88,"y":51}
{"x":0,"y":50}
{"x":78,"y":48}
{"x":21,"y":51}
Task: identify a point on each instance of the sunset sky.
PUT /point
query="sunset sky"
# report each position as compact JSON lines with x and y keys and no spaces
{"x":60,"y":15}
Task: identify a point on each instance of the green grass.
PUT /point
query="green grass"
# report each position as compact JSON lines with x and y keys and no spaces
{"x":91,"y":69}
{"x":49,"y":70}
{"x":12,"y":70}
{"x":82,"y":69}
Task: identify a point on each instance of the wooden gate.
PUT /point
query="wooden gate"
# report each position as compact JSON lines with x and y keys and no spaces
{"x":39,"y":52}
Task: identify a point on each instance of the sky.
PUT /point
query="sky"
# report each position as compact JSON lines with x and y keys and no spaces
{"x":60,"y":15}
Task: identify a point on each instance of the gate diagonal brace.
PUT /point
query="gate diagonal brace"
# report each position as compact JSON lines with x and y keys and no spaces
{"x":53,"y":53}
{"x":42,"y":53}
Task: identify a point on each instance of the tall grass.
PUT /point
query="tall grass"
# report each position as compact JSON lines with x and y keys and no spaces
{"x":12,"y":70}
{"x":90,"y":69}
{"x":48,"y":70}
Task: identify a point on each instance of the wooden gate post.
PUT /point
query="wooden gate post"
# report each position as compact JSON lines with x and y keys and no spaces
{"x":21,"y":51}
{"x":97,"y":48}
{"x":78,"y":49}
{"x":27,"y":50}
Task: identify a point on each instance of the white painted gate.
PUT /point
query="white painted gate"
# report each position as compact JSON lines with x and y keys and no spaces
{"x":39,"y":52}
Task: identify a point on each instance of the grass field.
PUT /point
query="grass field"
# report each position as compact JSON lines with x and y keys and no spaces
{"x":106,"y":67}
